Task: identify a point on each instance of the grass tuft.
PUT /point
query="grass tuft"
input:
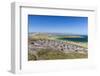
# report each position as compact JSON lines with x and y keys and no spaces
{"x":49,"y":54}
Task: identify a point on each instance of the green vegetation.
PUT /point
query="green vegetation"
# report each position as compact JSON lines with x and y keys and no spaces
{"x":70,"y":37}
{"x":50,"y":54}
{"x":40,"y":36}
{"x":31,"y":57}
{"x":85,"y":44}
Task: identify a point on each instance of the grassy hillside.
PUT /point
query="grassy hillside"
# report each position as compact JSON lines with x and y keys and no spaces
{"x":50,"y":54}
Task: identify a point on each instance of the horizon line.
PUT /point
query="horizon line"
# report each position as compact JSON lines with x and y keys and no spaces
{"x":58,"y":32}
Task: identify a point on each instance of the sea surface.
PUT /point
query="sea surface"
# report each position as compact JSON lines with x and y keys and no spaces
{"x":82,"y":38}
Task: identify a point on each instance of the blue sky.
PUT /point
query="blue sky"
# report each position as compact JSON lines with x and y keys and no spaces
{"x":58,"y":24}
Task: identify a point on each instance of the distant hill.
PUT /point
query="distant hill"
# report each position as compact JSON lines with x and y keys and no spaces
{"x":53,"y":33}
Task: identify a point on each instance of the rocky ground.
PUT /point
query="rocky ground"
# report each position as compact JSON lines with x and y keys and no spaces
{"x":36,"y":46}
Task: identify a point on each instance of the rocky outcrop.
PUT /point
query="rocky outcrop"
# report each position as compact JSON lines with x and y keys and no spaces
{"x":56,"y":45}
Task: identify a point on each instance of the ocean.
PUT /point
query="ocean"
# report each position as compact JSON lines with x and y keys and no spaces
{"x":82,"y":38}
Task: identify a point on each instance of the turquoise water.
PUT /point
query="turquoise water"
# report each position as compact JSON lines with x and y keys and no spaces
{"x":81,"y":39}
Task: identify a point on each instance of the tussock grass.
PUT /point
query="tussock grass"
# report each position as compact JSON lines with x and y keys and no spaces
{"x":49,"y":54}
{"x":31,"y":57}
